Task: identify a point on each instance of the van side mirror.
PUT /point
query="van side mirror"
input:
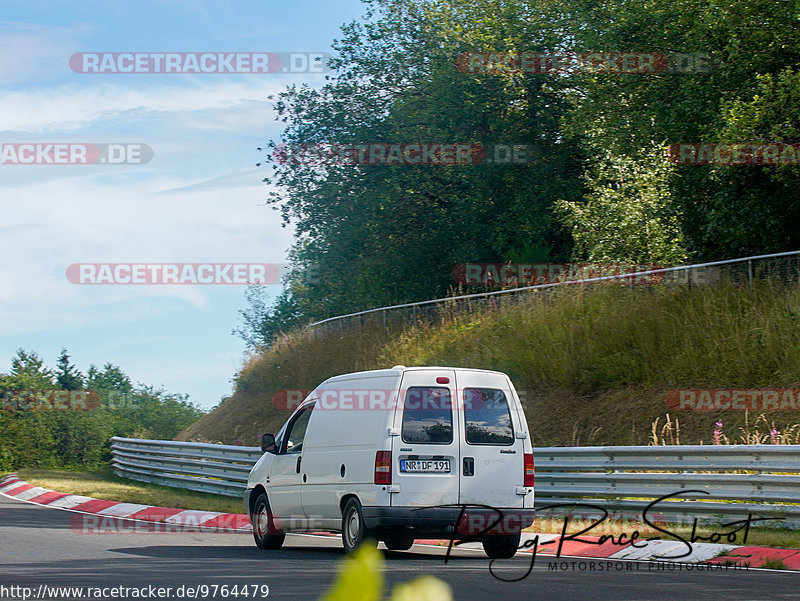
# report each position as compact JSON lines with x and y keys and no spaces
{"x":268,"y":443}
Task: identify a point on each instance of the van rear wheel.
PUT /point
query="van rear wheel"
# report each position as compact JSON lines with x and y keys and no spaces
{"x":265,"y":533}
{"x":354,"y":532}
{"x":501,"y":546}
{"x":398,"y":543}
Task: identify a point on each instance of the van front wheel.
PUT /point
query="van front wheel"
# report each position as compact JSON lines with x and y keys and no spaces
{"x":501,"y":546}
{"x":354,"y":532}
{"x":265,"y":533}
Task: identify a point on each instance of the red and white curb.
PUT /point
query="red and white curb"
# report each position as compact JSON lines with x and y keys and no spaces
{"x":107,"y":516}
{"x":650,"y":551}
{"x":99,"y":511}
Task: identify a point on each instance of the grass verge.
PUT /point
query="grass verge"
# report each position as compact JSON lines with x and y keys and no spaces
{"x":103,"y":484}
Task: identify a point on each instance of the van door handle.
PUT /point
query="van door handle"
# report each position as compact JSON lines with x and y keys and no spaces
{"x":298,"y":464}
{"x":469,"y":466}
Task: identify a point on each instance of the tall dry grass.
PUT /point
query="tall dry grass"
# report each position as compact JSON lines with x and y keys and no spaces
{"x":593,"y":363}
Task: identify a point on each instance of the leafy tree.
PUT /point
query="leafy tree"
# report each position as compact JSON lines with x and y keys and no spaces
{"x":111,"y":377}
{"x":67,"y":375}
{"x":148,"y":412}
{"x":385,"y":234}
{"x":27,"y":373}
{"x":389,"y":234}
{"x":260,"y":323}
{"x":722,"y":211}
{"x":771,"y":115}
{"x":754,"y":209}
{"x":629,"y":214}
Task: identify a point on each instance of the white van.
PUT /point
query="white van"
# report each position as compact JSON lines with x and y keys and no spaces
{"x":397,"y":454}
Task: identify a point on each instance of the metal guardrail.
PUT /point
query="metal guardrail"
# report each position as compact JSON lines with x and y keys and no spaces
{"x":744,"y":268}
{"x":214,"y":468}
{"x":735,"y":480}
{"x":739,"y":479}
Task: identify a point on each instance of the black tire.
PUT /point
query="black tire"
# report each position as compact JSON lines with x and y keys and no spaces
{"x":354,"y":532}
{"x":501,"y":546}
{"x":265,"y":533}
{"x":399,"y":542}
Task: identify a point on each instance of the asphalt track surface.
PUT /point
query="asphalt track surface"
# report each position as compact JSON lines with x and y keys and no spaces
{"x":38,"y":547}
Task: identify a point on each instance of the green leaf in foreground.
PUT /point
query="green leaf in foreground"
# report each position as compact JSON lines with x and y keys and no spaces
{"x":424,"y":588}
{"x":361,"y":579}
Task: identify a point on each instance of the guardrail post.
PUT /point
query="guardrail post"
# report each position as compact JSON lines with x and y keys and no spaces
{"x":385,"y":329}
{"x":750,"y":271}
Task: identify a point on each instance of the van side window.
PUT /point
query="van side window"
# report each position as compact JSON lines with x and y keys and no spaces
{"x":486,"y":416}
{"x":428,"y":415}
{"x":296,"y":432}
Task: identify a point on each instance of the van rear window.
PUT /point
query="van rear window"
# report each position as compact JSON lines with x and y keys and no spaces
{"x":486,"y":417}
{"x":428,"y":415}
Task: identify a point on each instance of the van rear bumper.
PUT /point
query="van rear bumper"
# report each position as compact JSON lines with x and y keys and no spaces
{"x":442,"y":520}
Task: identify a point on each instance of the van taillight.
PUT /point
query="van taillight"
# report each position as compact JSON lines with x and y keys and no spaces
{"x":383,"y":467}
{"x":528,"y":480}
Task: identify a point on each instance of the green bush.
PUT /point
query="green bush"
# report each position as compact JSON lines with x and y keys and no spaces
{"x":6,"y":460}
{"x":81,"y":439}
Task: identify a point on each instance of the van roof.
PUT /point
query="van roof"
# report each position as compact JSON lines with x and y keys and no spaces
{"x":400,"y":369}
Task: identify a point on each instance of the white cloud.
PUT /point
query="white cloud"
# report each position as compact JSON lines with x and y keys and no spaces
{"x":72,"y":107}
{"x":224,"y":182}
{"x":33,"y":51}
{"x":59,"y":222}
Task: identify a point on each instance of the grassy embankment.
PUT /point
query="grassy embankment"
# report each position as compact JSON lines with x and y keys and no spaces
{"x":593,"y":364}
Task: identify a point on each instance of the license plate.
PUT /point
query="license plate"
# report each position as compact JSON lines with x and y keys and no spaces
{"x":433,"y":466}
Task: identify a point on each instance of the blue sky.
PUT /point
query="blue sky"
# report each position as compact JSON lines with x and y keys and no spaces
{"x":200,"y":199}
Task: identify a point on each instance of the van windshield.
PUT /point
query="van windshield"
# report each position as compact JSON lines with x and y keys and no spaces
{"x":486,"y":417}
{"x":428,"y":415}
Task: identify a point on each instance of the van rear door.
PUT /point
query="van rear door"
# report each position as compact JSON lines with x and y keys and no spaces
{"x":425,"y":458}
{"x":492,"y":447}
